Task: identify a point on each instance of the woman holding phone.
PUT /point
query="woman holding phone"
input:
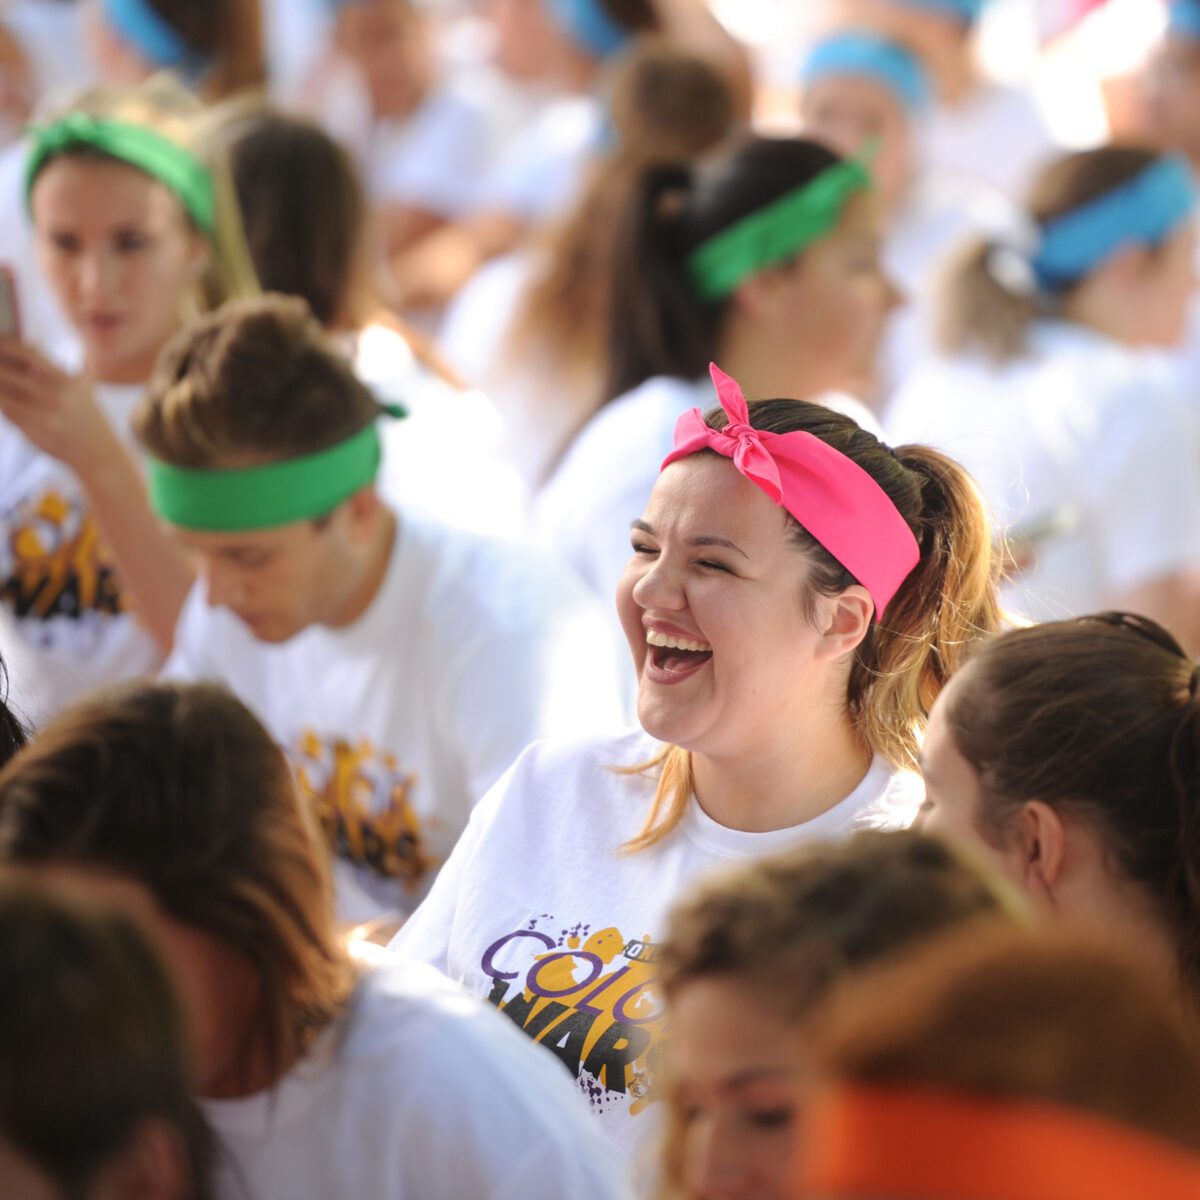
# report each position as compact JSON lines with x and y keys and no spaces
{"x":135,"y":231}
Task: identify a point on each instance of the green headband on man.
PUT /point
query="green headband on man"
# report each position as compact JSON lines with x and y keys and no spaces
{"x":244,"y":499}
{"x":168,"y":162}
{"x":775,"y":232}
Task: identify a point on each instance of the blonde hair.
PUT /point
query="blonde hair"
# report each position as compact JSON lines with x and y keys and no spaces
{"x":946,"y":604}
{"x":979,"y":309}
{"x":162,"y":104}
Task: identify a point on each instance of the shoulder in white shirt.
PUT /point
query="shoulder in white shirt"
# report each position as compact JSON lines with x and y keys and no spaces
{"x":419,"y":1091}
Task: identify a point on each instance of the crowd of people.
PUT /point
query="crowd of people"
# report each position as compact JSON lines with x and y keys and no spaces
{"x":581,"y":622}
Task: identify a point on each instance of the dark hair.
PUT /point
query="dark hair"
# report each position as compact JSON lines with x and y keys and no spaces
{"x":92,"y":1041}
{"x":1099,"y":717}
{"x":667,"y":106}
{"x":258,"y":379}
{"x":1048,"y":1015}
{"x":657,"y":323}
{"x":945,"y":604}
{"x":978,"y":309}
{"x":637,"y":16}
{"x":180,"y":789}
{"x":227,"y":35}
{"x":13,"y":734}
{"x":303,"y":206}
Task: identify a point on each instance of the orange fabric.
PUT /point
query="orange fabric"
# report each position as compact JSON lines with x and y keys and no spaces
{"x":911,"y":1144}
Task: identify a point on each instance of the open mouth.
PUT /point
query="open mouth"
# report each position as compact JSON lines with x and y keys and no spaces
{"x":674,"y":658}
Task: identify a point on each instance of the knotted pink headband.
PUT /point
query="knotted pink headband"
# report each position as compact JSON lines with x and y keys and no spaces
{"x":829,"y":494}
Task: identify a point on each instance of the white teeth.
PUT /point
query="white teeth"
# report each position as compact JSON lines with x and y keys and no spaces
{"x":654,"y":638}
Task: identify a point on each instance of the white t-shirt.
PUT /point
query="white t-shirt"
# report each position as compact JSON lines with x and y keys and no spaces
{"x":419,"y":1092}
{"x":65,"y":623}
{"x":997,"y":136}
{"x":539,"y":911}
{"x":398,"y":723}
{"x":483,"y":490}
{"x":1085,"y":446}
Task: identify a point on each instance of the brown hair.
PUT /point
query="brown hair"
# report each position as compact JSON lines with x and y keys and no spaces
{"x":1047,"y":1015}
{"x":947,"y":602}
{"x":1099,"y":717}
{"x":257,"y":381}
{"x":667,"y":106}
{"x":980,"y":309}
{"x":227,"y":35}
{"x":92,"y":1041}
{"x":791,"y":927}
{"x":164,"y":106}
{"x":180,"y":789}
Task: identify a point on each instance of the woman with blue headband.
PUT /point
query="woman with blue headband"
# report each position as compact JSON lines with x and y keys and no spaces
{"x":1053,"y":392}
{"x":135,"y":232}
{"x":978,"y":128}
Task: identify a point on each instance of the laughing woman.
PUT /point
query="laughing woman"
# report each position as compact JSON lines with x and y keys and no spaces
{"x":135,"y":231}
{"x":797,"y":596}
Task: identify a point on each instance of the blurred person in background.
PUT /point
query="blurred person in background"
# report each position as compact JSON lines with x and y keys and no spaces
{"x":1069,"y":755}
{"x":749,"y":955}
{"x":1002,"y":1064}
{"x":864,"y":95}
{"x":1171,"y":84}
{"x":530,"y":326}
{"x":214,"y":49}
{"x":767,"y":259}
{"x":95,"y":1095}
{"x":136,"y":230}
{"x":311,"y":234}
{"x":321,"y":1079}
{"x":978,"y":128}
{"x":561,"y":47}
{"x":1052,"y":389}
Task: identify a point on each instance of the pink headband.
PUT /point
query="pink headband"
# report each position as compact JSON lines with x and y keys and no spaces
{"x":831,"y":496}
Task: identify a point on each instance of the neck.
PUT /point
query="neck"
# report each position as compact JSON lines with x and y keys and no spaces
{"x":373,"y":571}
{"x":779,"y":787}
{"x":749,"y":353}
{"x":1094,"y":307}
{"x":135,"y":372}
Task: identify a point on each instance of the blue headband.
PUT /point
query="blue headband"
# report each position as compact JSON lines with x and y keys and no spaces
{"x":967,"y":11}
{"x":1144,"y":211}
{"x":139,"y":25}
{"x":1185,"y":19}
{"x":864,"y":54}
{"x":587,"y":24}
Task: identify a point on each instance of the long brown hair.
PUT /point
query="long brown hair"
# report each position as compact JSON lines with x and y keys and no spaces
{"x":227,"y":35}
{"x":180,"y":789}
{"x":667,"y":106}
{"x":1098,"y":716}
{"x":982,"y":310}
{"x":947,"y":602}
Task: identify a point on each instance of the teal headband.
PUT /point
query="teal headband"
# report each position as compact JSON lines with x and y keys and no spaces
{"x":165,"y":160}
{"x":776,"y":232}
{"x":242,"y":499}
{"x":863,"y":55}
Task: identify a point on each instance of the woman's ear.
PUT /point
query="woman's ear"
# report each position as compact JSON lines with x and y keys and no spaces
{"x":843,"y":621}
{"x":1038,"y":837}
{"x":761,"y":295}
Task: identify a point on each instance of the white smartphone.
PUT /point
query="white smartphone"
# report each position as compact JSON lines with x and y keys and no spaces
{"x":10,"y":313}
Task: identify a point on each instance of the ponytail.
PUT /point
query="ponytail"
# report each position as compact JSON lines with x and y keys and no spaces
{"x":947,"y":603}
{"x":985,"y":304}
{"x":657,"y":324}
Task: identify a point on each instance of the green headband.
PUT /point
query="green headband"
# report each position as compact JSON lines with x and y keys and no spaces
{"x":136,"y":145}
{"x":240,"y":499}
{"x":774,"y":233}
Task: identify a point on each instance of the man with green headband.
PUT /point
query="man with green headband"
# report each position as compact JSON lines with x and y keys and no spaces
{"x":402,"y":665}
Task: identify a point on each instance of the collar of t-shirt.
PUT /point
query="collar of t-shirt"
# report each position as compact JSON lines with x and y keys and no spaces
{"x":867,"y":797}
